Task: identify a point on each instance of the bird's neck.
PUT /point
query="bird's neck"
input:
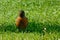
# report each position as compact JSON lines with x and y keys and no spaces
{"x":22,"y":16}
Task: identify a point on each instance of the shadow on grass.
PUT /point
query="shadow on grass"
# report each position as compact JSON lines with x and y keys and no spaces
{"x":8,"y":27}
{"x":32,"y":27}
{"x":39,"y":27}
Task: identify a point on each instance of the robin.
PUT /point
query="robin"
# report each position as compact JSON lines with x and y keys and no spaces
{"x":21,"y":21}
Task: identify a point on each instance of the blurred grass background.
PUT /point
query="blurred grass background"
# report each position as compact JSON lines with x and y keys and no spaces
{"x":40,"y":13}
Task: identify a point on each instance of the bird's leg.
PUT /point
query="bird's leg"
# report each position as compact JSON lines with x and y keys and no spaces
{"x":23,"y":30}
{"x":19,"y":29}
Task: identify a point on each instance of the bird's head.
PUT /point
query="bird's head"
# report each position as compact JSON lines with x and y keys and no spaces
{"x":22,"y":13}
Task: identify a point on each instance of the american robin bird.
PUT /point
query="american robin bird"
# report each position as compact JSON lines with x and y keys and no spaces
{"x":21,"y":21}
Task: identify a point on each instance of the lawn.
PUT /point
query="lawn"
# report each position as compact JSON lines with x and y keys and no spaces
{"x":40,"y":13}
{"x":28,"y":36}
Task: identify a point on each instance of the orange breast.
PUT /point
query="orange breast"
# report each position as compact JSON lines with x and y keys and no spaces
{"x":21,"y":22}
{"x":18,"y":21}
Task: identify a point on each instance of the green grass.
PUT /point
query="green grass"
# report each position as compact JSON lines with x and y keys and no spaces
{"x":28,"y":36}
{"x":40,"y":13}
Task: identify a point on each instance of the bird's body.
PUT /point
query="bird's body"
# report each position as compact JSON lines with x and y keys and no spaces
{"x":21,"y":22}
